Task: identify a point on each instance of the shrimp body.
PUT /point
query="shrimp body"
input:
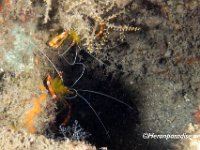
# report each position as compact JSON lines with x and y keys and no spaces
{"x":58,"y":40}
{"x":56,"y":87}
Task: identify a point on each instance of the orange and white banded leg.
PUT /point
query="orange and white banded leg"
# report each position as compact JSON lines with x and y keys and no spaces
{"x":68,"y":117}
{"x":58,"y":40}
{"x":55,"y":98}
{"x":102,"y":25}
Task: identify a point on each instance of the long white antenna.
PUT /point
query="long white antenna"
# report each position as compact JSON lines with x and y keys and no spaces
{"x":86,"y":101}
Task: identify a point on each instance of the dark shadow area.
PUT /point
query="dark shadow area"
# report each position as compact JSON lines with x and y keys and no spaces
{"x":120,"y":121}
{"x":114,"y":115}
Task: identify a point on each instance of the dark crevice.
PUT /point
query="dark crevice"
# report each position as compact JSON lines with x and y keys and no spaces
{"x":117,"y":117}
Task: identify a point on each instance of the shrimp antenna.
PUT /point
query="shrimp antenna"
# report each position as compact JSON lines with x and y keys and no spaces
{"x":108,"y":96}
{"x":81,"y":75}
{"x":86,"y":101}
{"x":74,"y":63}
{"x":68,"y":48}
{"x":58,"y":72}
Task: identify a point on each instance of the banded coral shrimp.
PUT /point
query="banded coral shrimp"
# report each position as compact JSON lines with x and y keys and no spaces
{"x":82,"y":98}
{"x":74,"y":38}
{"x":93,"y":22}
{"x":75,"y":48}
{"x":88,"y":25}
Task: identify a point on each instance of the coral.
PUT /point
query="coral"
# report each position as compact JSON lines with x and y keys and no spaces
{"x":74,"y":132}
{"x":16,"y":97}
{"x":20,"y":140}
{"x":48,"y":8}
{"x":192,"y":143}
